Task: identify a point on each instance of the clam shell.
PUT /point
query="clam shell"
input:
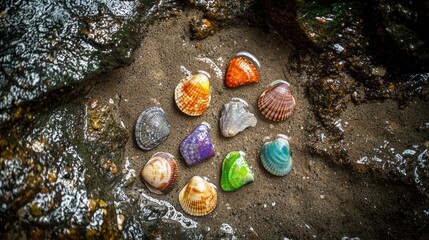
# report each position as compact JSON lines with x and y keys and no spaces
{"x":151,"y":128}
{"x":242,"y":70}
{"x":276,"y":156}
{"x":235,"y":117}
{"x":277,"y":102}
{"x":235,"y":172}
{"x":161,"y":173}
{"x":192,"y":94}
{"x":198,"y":197}
{"x":198,"y":145}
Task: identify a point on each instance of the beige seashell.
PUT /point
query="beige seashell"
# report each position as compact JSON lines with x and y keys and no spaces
{"x":198,"y":197}
{"x":161,"y":173}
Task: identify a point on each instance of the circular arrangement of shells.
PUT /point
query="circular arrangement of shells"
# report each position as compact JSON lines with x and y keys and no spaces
{"x":192,"y":96}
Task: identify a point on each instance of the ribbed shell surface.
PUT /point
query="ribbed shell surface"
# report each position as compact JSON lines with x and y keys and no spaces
{"x":192,"y":95}
{"x":277,"y":102}
{"x":276,"y":157}
{"x":161,"y":173}
{"x":198,"y":197}
{"x":151,"y":128}
{"x":241,"y":71}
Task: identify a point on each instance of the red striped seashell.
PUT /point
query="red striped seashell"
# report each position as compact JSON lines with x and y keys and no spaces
{"x":277,"y":102}
{"x":242,"y":70}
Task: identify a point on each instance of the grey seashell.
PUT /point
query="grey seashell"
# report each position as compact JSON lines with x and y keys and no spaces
{"x":151,"y":128}
{"x":235,"y":117}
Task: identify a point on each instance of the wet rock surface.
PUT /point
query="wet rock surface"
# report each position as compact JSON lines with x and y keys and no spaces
{"x":64,"y":170}
{"x":55,"y":170}
{"x":46,"y":45}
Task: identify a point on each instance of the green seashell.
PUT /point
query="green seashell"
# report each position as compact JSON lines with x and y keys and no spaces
{"x":235,"y":172}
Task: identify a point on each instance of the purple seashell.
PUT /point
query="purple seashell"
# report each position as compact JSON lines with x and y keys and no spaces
{"x":198,"y":146}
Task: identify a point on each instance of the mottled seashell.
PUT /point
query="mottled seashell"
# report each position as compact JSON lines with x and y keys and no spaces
{"x":235,"y":117}
{"x":198,"y":197}
{"x":192,"y":94}
{"x":235,"y":172}
{"x":151,"y":128}
{"x":276,"y":156}
{"x":198,"y":145}
{"x":242,"y":70}
{"x":277,"y":102}
{"x":161,"y":173}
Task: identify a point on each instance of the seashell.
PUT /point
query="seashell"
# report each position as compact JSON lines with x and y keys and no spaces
{"x":277,"y":102}
{"x":276,"y":156}
{"x":198,"y":197}
{"x":161,"y":173}
{"x":242,"y":70}
{"x":198,"y":145}
{"x":235,"y":117}
{"x":151,"y":128}
{"x":235,"y":172}
{"x":192,"y":94}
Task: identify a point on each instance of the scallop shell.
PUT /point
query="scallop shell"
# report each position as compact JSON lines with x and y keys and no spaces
{"x":276,"y":156}
{"x":151,"y":128}
{"x":235,"y":172}
{"x":242,"y":70}
{"x":198,"y":197}
{"x":192,"y":94}
{"x":161,"y":173}
{"x":198,"y":145}
{"x":277,"y":102}
{"x":235,"y":117}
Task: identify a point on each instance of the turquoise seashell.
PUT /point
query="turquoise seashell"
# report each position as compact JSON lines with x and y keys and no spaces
{"x":276,"y":156}
{"x":235,"y":172}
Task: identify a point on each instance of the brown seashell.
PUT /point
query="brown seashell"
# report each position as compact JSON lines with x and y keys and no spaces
{"x":161,"y":173}
{"x":242,"y":70}
{"x":192,"y":94}
{"x":277,"y":102}
{"x":198,"y":197}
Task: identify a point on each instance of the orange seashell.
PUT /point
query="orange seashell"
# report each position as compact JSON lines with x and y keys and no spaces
{"x":242,"y":70}
{"x":277,"y":102}
{"x":192,"y":94}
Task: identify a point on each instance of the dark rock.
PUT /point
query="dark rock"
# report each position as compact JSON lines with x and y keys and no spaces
{"x":400,"y":30}
{"x":46,"y":46}
{"x":53,"y":171}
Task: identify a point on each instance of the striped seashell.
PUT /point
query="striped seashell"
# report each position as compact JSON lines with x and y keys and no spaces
{"x":198,"y":145}
{"x":198,"y":197}
{"x":276,"y":156}
{"x":242,"y":70}
{"x":277,"y":102}
{"x":151,"y":128}
{"x":161,"y":173}
{"x":235,"y":172}
{"x":192,"y":94}
{"x":235,"y":117}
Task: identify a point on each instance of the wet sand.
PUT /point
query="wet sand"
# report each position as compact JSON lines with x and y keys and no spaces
{"x":317,"y":199}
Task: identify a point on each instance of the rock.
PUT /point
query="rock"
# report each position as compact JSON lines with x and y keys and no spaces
{"x":48,"y":46}
{"x":53,"y":170}
{"x":400,"y":30}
